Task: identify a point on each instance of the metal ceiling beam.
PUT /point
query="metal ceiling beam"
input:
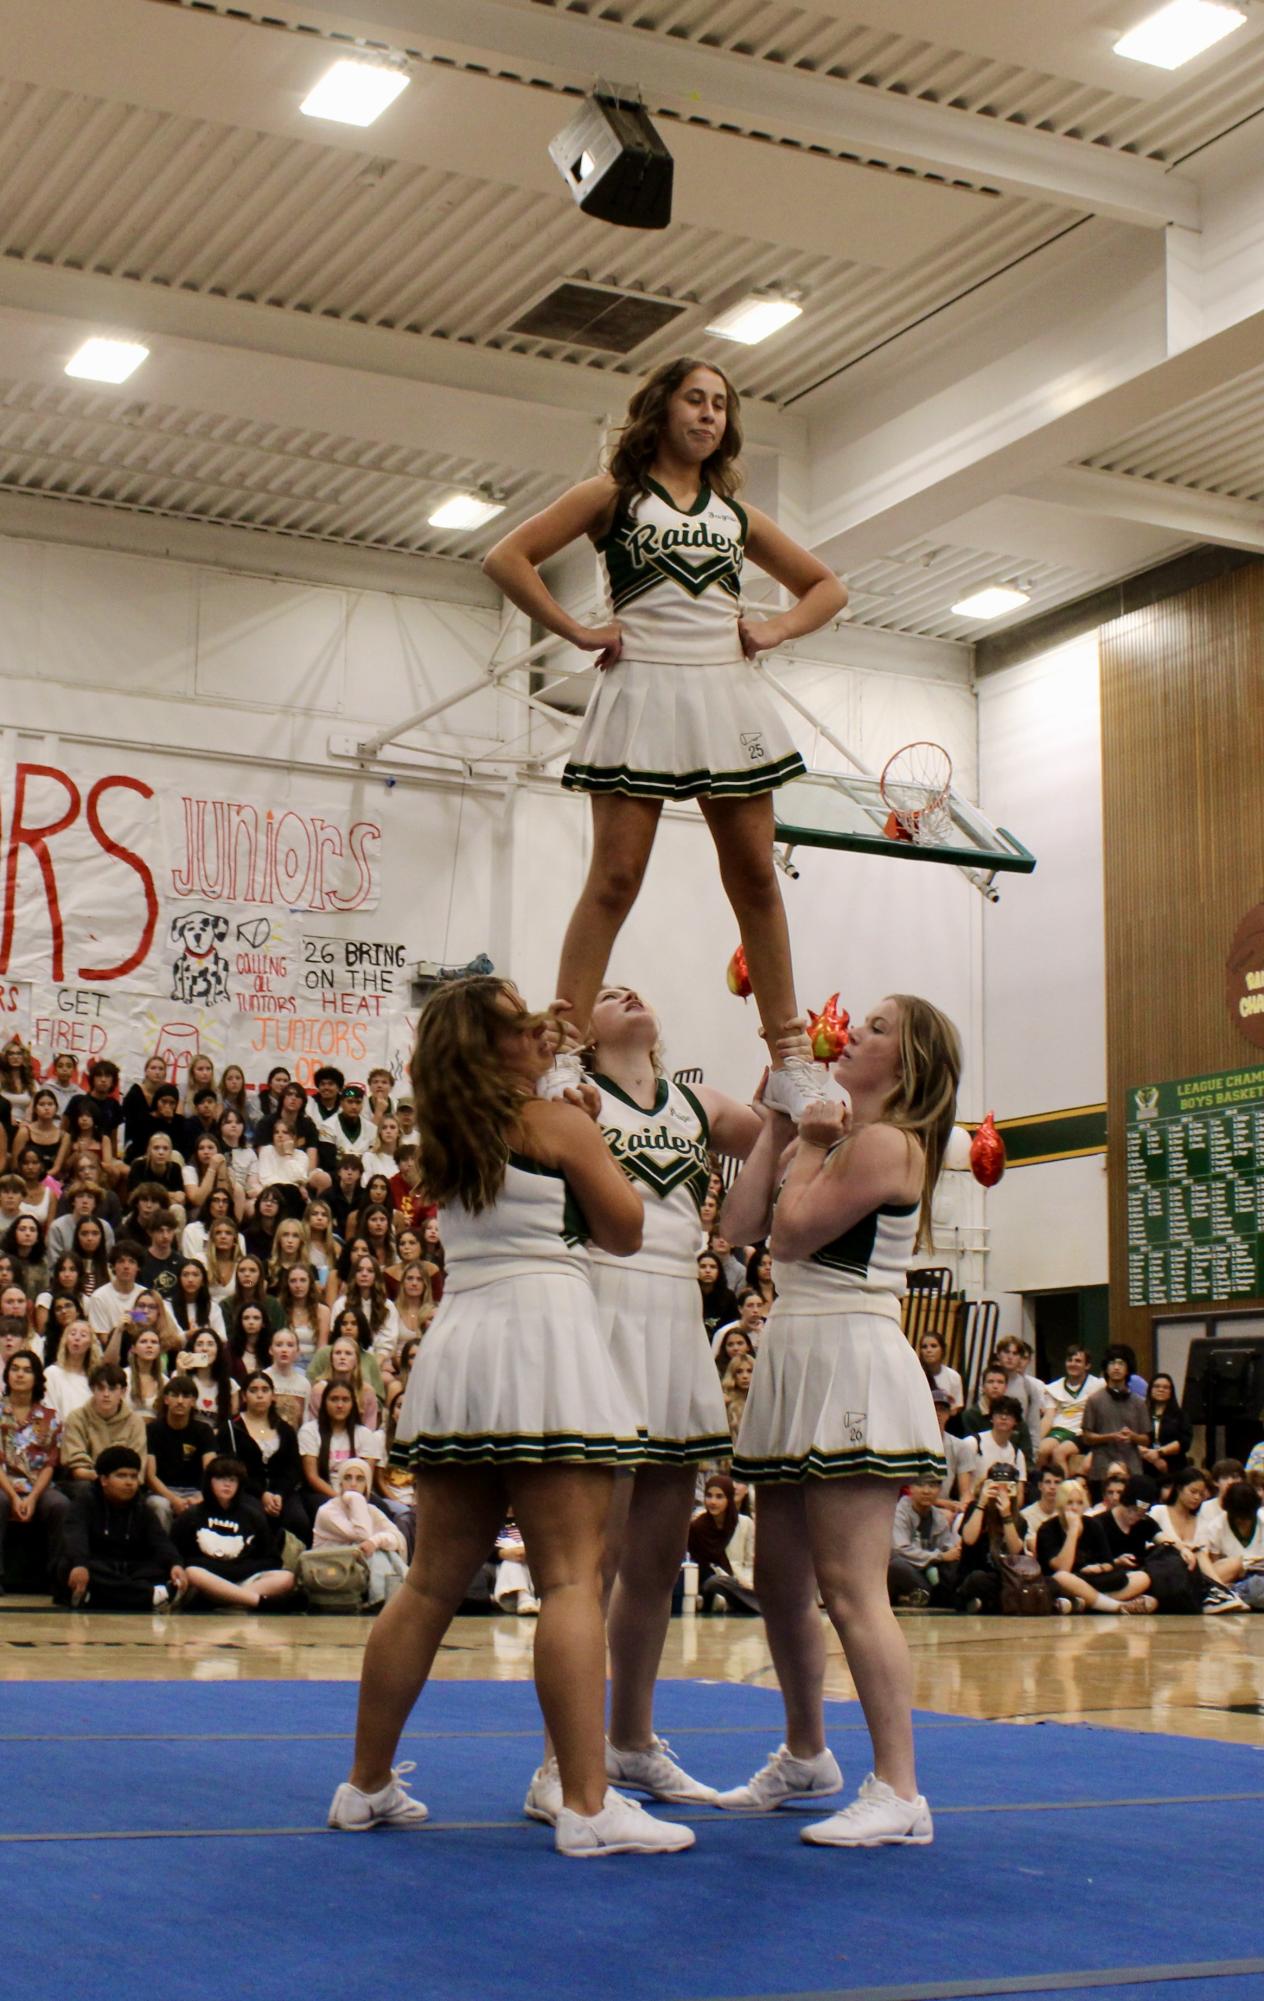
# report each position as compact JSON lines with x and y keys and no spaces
{"x":254,"y":552}
{"x":1032,"y":440}
{"x":475,"y":401}
{"x":719,"y":86}
{"x":1210,"y":517}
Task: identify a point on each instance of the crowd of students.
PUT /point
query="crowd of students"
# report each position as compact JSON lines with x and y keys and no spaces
{"x":1076,"y":1495}
{"x":210,"y":1301}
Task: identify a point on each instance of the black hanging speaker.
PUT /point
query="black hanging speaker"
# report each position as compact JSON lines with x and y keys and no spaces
{"x":615,"y":164}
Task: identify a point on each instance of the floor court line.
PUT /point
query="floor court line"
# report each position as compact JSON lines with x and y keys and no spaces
{"x":1024,"y":1983}
{"x":10,"y":1838}
{"x":412,"y":1736}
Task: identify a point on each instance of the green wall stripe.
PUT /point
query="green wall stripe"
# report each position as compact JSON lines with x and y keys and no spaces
{"x":1045,"y":1136}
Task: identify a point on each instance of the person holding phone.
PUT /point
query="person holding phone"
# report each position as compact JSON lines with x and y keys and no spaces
{"x":991,"y":1526}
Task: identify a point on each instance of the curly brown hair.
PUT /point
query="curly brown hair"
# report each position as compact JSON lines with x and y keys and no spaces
{"x":638,"y":440}
{"x":924,"y":1102}
{"x":467,"y":1103}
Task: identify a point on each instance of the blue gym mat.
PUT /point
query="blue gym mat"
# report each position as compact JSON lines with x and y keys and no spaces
{"x":175,"y":1830}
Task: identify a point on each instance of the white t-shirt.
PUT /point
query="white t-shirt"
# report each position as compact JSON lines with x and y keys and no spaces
{"x":291,"y":1385}
{"x":214,"y":1320}
{"x":1067,"y":1404}
{"x":285,"y":1167}
{"x":950,"y":1382}
{"x":329,"y":1127}
{"x":1223,"y":1542}
{"x":387,"y":1336}
{"x":243,"y":1165}
{"x":1033,"y":1518}
{"x":370,"y":1445}
{"x":207,"y":1399}
{"x":986,"y":1453}
{"x":1161,"y":1514}
{"x":378,"y":1163}
{"x":108,"y":1308}
{"x":65,"y":1390}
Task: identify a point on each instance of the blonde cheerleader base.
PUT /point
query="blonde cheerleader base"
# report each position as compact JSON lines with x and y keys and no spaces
{"x":837,"y":1391}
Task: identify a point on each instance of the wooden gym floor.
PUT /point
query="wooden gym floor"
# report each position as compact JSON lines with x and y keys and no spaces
{"x":1195,"y":1677}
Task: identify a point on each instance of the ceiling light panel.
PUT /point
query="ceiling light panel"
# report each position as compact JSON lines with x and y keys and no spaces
{"x":1179,"y":32}
{"x":354,"y":93}
{"x":465,"y":510}
{"x":101,"y":360}
{"x":753,"y":319}
{"x":993,"y":602}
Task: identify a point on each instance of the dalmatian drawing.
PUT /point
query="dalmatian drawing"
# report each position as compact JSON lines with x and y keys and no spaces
{"x":200,"y":972}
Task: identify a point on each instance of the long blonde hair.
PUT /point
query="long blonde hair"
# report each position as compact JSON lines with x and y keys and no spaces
{"x":924,"y":1101}
{"x":467,"y":1101}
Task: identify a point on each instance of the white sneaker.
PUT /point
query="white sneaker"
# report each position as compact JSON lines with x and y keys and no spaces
{"x":621,"y":1828}
{"x":544,"y":1794}
{"x":876,"y":1818}
{"x":352,"y":1811}
{"x":784,"y":1778}
{"x":656,"y":1772}
{"x":566,"y":1073}
{"x":799,"y":1084}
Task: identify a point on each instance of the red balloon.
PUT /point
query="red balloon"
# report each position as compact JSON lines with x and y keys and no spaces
{"x":987,"y":1154}
{"x":737,"y":976}
{"x":827,"y":1031}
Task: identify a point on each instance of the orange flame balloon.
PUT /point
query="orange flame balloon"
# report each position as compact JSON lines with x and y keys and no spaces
{"x":987,"y":1154}
{"x":738,"y":976}
{"x":827,"y":1031}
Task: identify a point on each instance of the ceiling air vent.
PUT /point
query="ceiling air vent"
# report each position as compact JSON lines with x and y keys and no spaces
{"x":584,"y":315}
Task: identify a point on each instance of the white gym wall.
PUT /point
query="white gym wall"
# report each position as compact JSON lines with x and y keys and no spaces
{"x":1044,"y":990}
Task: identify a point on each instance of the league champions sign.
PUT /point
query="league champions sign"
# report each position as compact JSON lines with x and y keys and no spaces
{"x":141,"y":910}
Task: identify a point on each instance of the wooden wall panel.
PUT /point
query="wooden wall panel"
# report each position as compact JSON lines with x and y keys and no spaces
{"x":1183,"y":832}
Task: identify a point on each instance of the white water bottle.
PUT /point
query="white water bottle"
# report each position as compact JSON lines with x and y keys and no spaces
{"x":689,"y":1574}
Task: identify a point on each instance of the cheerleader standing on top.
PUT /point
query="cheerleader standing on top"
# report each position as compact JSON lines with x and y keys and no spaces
{"x":512,"y":1401}
{"x":680,"y":711}
{"x":840,"y":1414}
{"x":650,"y":1310}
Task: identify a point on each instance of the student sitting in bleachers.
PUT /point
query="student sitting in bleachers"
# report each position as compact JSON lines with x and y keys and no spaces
{"x":350,"y":1520}
{"x":115,"y":1553}
{"x":230,"y":1549}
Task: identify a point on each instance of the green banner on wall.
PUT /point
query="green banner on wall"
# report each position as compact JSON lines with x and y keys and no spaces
{"x":1195,"y":1149}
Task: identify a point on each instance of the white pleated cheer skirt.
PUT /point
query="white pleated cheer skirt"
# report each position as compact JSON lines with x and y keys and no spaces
{"x":660,"y":1350}
{"x":709,"y":728}
{"x":837,"y":1392}
{"x":516,"y":1372}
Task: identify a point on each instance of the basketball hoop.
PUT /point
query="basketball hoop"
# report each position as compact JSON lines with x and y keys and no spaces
{"x":915,"y":782}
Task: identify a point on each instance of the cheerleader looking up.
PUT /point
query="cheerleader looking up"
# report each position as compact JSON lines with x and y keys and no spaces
{"x":680,"y":711}
{"x":650,"y":1309}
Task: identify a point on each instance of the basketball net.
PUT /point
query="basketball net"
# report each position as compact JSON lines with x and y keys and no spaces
{"x":915,"y":785}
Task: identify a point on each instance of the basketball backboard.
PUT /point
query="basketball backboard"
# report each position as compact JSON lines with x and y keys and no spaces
{"x":844,"y":809}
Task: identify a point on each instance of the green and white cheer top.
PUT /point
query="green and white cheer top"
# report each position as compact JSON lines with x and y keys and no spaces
{"x":535,"y":1225}
{"x":664,"y":1154}
{"x":673,"y":577}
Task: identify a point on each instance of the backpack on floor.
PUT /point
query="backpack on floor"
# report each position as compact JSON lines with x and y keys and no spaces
{"x":335,"y":1580}
{"x":1025,"y":1590}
